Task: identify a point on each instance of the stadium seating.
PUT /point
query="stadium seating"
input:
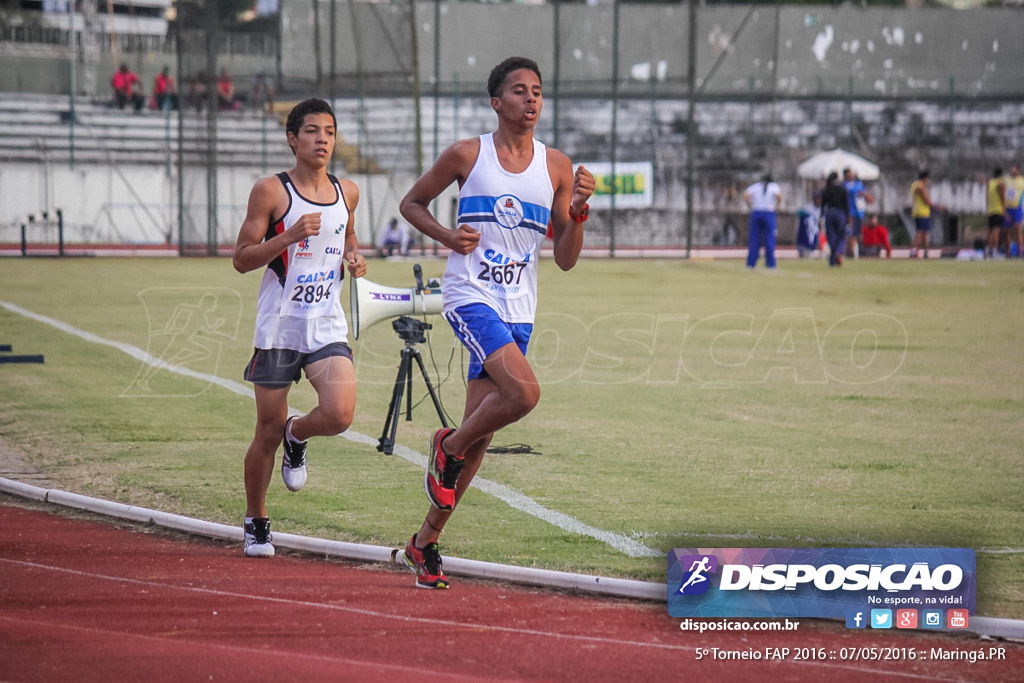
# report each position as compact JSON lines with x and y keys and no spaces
{"x":35,"y":128}
{"x":377,"y":135}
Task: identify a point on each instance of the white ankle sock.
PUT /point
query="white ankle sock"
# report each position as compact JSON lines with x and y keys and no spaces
{"x":288,"y":433}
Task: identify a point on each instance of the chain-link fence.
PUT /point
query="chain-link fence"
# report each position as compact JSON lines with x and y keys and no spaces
{"x":677,"y":107}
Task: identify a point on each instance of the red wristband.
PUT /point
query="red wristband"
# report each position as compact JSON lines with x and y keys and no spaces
{"x":580,"y":217}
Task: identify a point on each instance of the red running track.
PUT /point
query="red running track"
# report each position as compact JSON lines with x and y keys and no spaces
{"x":99,"y":601}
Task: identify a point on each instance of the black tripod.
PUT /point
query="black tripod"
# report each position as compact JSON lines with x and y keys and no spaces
{"x":410,"y":331}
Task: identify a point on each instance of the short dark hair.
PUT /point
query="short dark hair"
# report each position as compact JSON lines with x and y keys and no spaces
{"x":314,"y":105}
{"x":923,"y":174}
{"x":499,"y":73}
{"x":996,"y":172}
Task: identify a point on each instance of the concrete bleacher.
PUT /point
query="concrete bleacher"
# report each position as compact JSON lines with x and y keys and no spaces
{"x":383,"y":130}
{"x":378,"y":135}
{"x":38,"y":128}
{"x":734,"y":143}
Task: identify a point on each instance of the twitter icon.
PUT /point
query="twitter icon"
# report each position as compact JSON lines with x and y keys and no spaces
{"x":881,"y":618}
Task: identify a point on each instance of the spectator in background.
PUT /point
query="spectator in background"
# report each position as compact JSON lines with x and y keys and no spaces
{"x":197,"y":90}
{"x":763,"y":198}
{"x":127,"y":88}
{"x":835,"y":204}
{"x":1014,"y":199}
{"x":226,"y":91}
{"x":876,"y":236}
{"x":921,"y":206}
{"x":261,"y":93}
{"x":165,"y":91}
{"x":859,"y":199}
{"x":394,"y":237}
{"x":808,"y":229}
{"x":995,"y":204}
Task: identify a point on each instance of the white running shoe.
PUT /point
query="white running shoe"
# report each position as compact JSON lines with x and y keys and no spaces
{"x":293,"y":467}
{"x":257,"y":538}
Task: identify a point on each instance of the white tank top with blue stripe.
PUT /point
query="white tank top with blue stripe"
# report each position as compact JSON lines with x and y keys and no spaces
{"x":511,"y":211}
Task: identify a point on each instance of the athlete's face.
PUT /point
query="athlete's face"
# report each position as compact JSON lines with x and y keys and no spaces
{"x":315,"y":141}
{"x":521,"y":98}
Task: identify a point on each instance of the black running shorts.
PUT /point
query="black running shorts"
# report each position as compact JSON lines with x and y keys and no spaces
{"x":276,"y":368}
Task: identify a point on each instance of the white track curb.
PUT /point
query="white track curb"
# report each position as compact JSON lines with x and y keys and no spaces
{"x":642,"y":590}
{"x":355,"y":551}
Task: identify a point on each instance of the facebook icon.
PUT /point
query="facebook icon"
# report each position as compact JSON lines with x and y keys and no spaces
{"x":856,"y":618}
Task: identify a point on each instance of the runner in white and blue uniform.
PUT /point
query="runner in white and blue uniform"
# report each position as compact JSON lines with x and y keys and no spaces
{"x":499,"y":277}
{"x":300,"y":226}
{"x":511,"y":187}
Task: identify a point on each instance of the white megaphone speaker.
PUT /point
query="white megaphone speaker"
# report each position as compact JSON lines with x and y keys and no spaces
{"x":371,"y":303}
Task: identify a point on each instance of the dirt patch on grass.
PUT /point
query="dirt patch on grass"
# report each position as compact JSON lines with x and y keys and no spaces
{"x":13,"y":466}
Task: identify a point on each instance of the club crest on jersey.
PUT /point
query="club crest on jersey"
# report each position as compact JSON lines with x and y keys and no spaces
{"x":508,"y":211}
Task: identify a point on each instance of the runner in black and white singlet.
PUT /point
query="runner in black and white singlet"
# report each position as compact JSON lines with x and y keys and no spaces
{"x":511,"y":187}
{"x":299,"y":303}
{"x":300,"y":225}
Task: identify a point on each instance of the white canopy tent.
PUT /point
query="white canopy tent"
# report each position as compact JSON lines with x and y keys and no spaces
{"x":821,"y":164}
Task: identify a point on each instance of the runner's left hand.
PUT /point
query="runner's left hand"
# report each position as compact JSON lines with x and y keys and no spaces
{"x":356,"y":263}
{"x":583,"y":185}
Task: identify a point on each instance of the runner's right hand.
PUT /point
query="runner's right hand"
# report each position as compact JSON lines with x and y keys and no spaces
{"x":463,"y":240}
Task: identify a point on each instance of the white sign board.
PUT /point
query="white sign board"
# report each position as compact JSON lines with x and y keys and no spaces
{"x":634,"y":184}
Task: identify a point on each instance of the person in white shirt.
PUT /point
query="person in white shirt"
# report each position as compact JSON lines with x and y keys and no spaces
{"x":764,"y":199}
{"x":394,"y":238}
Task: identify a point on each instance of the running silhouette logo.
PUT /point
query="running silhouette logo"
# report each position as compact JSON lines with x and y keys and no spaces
{"x":188,"y":329}
{"x":696,"y":580}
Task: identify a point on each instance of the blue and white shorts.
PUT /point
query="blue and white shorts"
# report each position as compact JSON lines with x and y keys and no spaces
{"x":481,"y":331}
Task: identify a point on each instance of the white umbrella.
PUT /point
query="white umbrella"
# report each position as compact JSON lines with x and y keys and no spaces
{"x":823,"y":163}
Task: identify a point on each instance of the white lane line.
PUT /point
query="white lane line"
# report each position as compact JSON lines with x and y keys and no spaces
{"x":511,"y":497}
{"x":852,"y":543}
{"x":450,"y":623}
{"x":256,"y":652}
{"x":426,"y":621}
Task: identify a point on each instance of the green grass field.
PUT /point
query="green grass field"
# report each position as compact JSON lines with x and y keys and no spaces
{"x":685,"y":404}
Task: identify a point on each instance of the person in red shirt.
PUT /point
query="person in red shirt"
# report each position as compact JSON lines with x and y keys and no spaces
{"x":124,"y":82}
{"x":165,"y":91}
{"x":226,"y":91}
{"x":875,"y":235}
